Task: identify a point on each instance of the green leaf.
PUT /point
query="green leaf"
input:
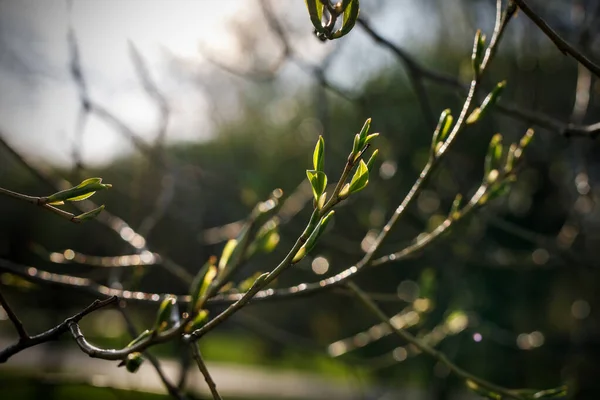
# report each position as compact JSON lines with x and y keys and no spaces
{"x":247,"y":283}
{"x":441,"y":131}
{"x":210,"y":276}
{"x":86,"y":216}
{"x":146,"y":334}
{"x":478,"y":50}
{"x":133,"y":362}
{"x":494,"y":154}
{"x":351,"y":9}
{"x":198,"y":321}
{"x":300,"y":254}
{"x":526,"y":139}
{"x":480,"y":390}
{"x":266,"y":238}
{"x":364,"y":131}
{"x":370,"y":137}
{"x":313,"y":238}
{"x":360,"y":179}
{"x":510,"y":158}
{"x":490,"y":100}
{"x":372,"y":160}
{"x":228,"y":250}
{"x":356,"y":145}
{"x":360,"y":140}
{"x":315,"y":11}
{"x":80,"y":192}
{"x":197,"y":283}
{"x":318,"y":155}
{"x":163,"y":316}
{"x":455,"y":210}
{"x":318,"y":182}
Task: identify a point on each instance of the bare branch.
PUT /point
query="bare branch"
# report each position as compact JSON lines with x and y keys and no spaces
{"x":53,"y":333}
{"x":202,"y":367}
{"x":558,"y":41}
{"x":425,"y":348}
{"x":13,"y":318}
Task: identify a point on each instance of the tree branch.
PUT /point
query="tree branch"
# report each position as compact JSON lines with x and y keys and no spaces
{"x":558,"y":41}
{"x":425,"y":348}
{"x":53,"y":333}
{"x":202,"y":367}
{"x":13,"y":318}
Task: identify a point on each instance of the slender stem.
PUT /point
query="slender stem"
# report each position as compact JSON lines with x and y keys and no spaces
{"x":39,"y":201}
{"x":14,"y":319}
{"x":30,"y":199}
{"x":202,"y":367}
{"x":425,"y":348}
{"x":558,"y":41}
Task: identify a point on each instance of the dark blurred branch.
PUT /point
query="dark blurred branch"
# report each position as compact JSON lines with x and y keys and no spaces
{"x":547,"y":122}
{"x":558,"y":41}
{"x":425,"y":348}
{"x":202,"y":367}
{"x":110,"y":221}
{"x":13,"y":318}
{"x":151,"y":88}
{"x":53,"y":333}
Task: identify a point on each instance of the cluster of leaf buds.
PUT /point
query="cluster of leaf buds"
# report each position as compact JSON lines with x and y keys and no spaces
{"x":324,"y":16}
{"x":84,"y":190}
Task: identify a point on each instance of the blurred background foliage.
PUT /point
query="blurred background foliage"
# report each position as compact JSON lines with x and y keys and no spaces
{"x":516,"y":285}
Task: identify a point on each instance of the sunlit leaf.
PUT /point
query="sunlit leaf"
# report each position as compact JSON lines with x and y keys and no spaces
{"x":80,"y":192}
{"x":86,"y":216}
{"x":163,"y":316}
{"x":318,"y":182}
{"x":318,"y":155}
{"x":360,"y":179}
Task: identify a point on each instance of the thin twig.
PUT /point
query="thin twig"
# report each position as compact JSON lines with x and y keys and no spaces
{"x":53,"y":333}
{"x":425,"y":348}
{"x":41,"y":202}
{"x":202,"y":367}
{"x":558,"y":41}
{"x":544,"y":121}
{"x":13,"y":318}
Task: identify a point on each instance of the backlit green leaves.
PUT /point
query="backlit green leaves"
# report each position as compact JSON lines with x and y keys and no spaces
{"x":319,"y":155}
{"x":499,"y":167}
{"x":441,"y":131}
{"x":362,"y":139}
{"x":493,"y":159}
{"x":201,"y":282}
{"x":134,"y":360}
{"x":316,"y":176}
{"x":487,"y":103}
{"x":313,"y":238}
{"x":163,"y":316}
{"x":359,"y":180}
{"x":478,"y":51}
{"x":350,"y":15}
{"x":324,"y":17}
{"x":318,"y":182}
{"x":86,"y":216}
{"x":199,"y":320}
{"x":84,"y":190}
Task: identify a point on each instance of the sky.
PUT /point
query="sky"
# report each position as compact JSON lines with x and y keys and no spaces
{"x":39,"y":101}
